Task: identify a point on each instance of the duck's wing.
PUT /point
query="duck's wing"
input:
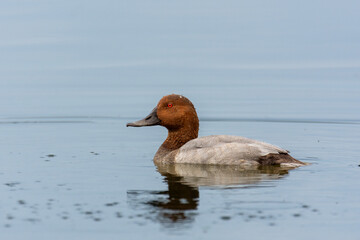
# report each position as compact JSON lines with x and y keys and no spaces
{"x":227,"y":150}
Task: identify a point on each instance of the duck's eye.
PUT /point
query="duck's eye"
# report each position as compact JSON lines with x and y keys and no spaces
{"x":170,"y":105}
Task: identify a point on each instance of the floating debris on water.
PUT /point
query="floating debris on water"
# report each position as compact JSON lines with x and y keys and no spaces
{"x":111,"y":204}
{"x":12,"y":184}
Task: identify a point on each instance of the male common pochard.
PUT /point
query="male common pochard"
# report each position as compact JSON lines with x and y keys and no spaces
{"x":182,"y":145}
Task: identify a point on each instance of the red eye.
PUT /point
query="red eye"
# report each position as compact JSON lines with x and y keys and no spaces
{"x":170,"y":105}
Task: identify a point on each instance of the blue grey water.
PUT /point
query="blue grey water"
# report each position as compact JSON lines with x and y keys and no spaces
{"x":73,"y":73}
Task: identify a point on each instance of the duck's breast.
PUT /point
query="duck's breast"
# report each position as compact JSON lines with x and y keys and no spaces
{"x":224,"y":149}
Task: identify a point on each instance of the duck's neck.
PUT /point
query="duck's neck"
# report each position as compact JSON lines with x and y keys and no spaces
{"x":177,"y":138}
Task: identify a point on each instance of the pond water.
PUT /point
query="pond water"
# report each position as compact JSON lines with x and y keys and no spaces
{"x":73,"y":73}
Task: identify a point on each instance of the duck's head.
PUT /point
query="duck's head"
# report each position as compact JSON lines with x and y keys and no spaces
{"x":175,"y":112}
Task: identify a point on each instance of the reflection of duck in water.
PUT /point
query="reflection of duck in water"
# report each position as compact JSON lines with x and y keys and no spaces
{"x":221,"y":175}
{"x":173,"y":208}
{"x":178,"y":115}
{"x":177,"y":206}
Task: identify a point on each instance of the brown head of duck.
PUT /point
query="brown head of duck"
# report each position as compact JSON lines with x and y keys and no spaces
{"x":178,"y":115}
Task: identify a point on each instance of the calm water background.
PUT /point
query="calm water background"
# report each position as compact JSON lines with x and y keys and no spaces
{"x":72,"y":73}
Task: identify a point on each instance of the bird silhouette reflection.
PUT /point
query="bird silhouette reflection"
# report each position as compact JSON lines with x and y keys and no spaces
{"x":178,"y":205}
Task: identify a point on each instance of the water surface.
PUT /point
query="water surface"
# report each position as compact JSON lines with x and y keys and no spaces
{"x":73,"y":73}
{"x":77,"y":176}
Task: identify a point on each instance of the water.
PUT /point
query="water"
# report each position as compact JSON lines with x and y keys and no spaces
{"x":72,"y":74}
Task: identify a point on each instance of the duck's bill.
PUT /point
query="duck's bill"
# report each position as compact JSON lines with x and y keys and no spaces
{"x":149,"y":120}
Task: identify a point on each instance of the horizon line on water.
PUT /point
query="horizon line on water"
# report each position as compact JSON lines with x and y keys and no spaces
{"x":87,"y":119}
{"x":295,"y":66}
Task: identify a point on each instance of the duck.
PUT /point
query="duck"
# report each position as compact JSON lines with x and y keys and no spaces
{"x":178,"y":115}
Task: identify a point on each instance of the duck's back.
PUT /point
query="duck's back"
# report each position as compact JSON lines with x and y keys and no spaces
{"x":232,"y":150}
